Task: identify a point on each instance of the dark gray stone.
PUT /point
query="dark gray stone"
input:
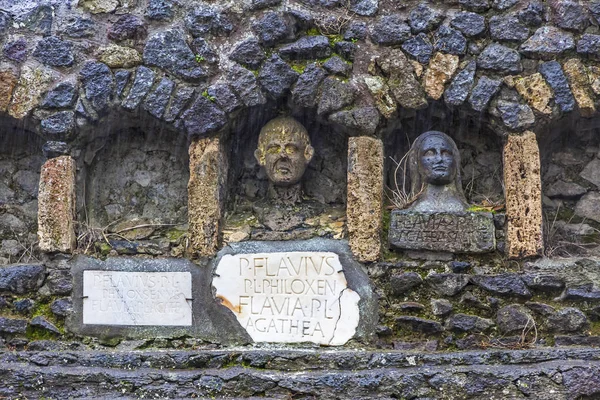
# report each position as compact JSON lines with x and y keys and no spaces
{"x":62,"y":307}
{"x":203,"y":117}
{"x":460,"y":87}
{"x":460,"y":267}
{"x":204,"y":52}
{"x":160,"y":10}
{"x":144,"y":78}
{"x":98,"y":83}
{"x":514,"y":319}
{"x":204,"y":19}
{"x":589,"y":45}
{"x":509,"y":28}
{"x":390,"y":30}
{"x":4,"y":22}
{"x":483,"y":92}
{"x":554,"y":75}
{"x":540,"y":308}
{"x":307,"y":48}
{"x":62,"y":96}
{"x":52,"y":149}
{"x":514,"y":115}
{"x":260,"y":4}
{"x":424,"y":18}
{"x":420,"y":325}
{"x":419,"y":47}
{"x":461,"y":323}
{"x":59,"y":125}
{"x":12,"y":325}
{"x":273,"y":28}
{"x":500,"y":58}
{"x":411,"y":307}
{"x":469,"y":23}
{"x":503,"y":4}
{"x":182,"y":97}
{"x":403,"y":283}
{"x":475,"y":5}
{"x":335,"y":96}
{"x":366,"y":8}
{"x":224,"y":97}
{"x":356,"y":30}
{"x":79,"y":28}
{"x":42,"y":323}
{"x":581,"y":293}
{"x":543,"y":282}
{"x":447,"y":284}
{"x":345,"y":49}
{"x":168,"y":50}
{"x":23,"y":306}
{"x":248,"y":53}
{"x":533,"y":15}
{"x":306,"y":90}
{"x":547,"y":43}
{"x":449,"y":40}
{"x":458,"y":232}
{"x":594,"y":8}
{"x":54,"y":52}
{"x":569,"y":14}
{"x":59,"y":282}
{"x":277,"y":77}
{"x":567,"y":320}
{"x":157,"y":101}
{"x":582,"y":383}
{"x":127,"y":27}
{"x":441,"y":307}
{"x":121,"y":80}
{"x":363,"y":120}
{"x":16,"y":50}
{"x":502,"y":285}
{"x":38,"y":20}
{"x":245,"y":85}
{"x":337,"y":66}
{"x":565,"y":190}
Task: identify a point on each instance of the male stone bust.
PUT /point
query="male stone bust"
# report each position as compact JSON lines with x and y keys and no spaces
{"x":434,"y":168}
{"x":284,"y":150}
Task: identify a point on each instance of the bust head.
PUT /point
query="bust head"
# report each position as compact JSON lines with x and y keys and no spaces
{"x":284,"y":150}
{"x":434,"y":166}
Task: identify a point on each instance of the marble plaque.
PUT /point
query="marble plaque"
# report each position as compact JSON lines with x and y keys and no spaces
{"x":289,"y":297}
{"x":137,"y":298}
{"x":457,"y":232}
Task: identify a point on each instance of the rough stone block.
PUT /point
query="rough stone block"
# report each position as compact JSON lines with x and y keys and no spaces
{"x":523,"y":194}
{"x":8,"y":80}
{"x":580,"y":86}
{"x":206,"y":192}
{"x":32,"y":83}
{"x":441,"y":68}
{"x":364,"y":209}
{"x":56,"y":205}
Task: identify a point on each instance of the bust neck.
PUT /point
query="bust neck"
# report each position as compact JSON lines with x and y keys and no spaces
{"x":439,"y":199}
{"x":286,"y":195}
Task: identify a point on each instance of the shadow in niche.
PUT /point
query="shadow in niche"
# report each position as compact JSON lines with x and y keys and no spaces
{"x":21,"y":159}
{"x":324,"y":181}
{"x":480,"y":150}
{"x":569,"y":152}
{"x":134,"y":192}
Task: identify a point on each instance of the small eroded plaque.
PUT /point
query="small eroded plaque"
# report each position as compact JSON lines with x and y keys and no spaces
{"x":289,"y":297}
{"x":137,"y":298}
{"x":456,"y":232}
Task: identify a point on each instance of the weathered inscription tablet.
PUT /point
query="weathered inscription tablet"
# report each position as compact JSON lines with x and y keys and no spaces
{"x":137,"y":298}
{"x":289,"y":297}
{"x":459,"y":232}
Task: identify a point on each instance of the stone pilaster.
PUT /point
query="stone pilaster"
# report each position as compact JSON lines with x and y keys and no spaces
{"x":523,"y":195}
{"x":364,"y":210}
{"x":206,"y":194}
{"x":56,"y":205}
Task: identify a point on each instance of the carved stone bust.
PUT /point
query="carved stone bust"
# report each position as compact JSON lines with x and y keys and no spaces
{"x":284,"y":151}
{"x":434,"y":169}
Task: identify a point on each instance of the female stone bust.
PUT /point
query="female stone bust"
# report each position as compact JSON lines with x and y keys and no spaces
{"x":434,"y":170}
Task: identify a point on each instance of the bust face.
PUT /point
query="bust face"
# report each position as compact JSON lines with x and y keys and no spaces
{"x":285,"y":161}
{"x":437,"y":161}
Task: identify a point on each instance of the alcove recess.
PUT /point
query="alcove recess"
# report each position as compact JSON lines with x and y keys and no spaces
{"x":569,"y":152}
{"x":324,"y":181}
{"x":132,"y":189}
{"x":20,"y":161}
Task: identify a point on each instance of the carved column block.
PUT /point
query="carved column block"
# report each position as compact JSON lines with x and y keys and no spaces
{"x":206,"y":194}
{"x":56,"y":205}
{"x":523,"y":194}
{"x":364,"y":210}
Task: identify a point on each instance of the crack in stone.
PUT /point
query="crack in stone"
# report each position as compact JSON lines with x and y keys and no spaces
{"x":129,"y":312}
{"x":339,"y":300}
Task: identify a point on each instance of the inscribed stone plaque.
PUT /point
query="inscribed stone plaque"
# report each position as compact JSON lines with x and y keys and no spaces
{"x":137,"y":298}
{"x":459,"y":232}
{"x":289,"y":297}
